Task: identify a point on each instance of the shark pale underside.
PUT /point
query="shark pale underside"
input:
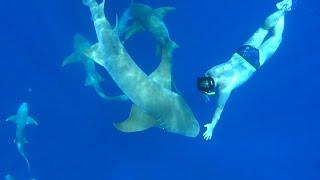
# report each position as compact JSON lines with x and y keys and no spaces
{"x":168,"y":108}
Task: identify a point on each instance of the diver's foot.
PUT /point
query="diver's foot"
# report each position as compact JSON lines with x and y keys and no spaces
{"x":285,"y":5}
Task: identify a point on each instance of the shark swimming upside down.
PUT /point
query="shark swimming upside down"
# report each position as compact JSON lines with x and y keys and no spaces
{"x":167,"y":108}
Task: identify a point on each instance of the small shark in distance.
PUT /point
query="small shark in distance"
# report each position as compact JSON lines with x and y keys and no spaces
{"x":83,"y":51}
{"x":22,"y":119}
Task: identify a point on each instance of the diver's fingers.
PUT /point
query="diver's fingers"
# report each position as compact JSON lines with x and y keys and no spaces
{"x":208,"y":137}
{"x":205,"y":133}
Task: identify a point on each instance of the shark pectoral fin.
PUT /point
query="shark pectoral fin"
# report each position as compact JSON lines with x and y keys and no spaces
{"x":161,"y":12}
{"x":74,"y":57}
{"x":31,"y":121}
{"x":12,"y":118}
{"x":80,"y":42}
{"x":135,"y":28}
{"x":138,"y":120}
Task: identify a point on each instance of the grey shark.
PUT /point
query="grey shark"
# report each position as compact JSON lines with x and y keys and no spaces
{"x":168,"y":108}
{"x":83,"y":51}
{"x":22,"y":119}
{"x":144,"y":18}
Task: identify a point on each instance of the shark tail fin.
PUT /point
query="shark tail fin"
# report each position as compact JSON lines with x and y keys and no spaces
{"x":24,"y":156}
{"x":161,"y":12}
{"x":21,"y":151}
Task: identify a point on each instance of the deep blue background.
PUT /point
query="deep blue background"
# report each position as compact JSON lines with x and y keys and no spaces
{"x":270,"y":128}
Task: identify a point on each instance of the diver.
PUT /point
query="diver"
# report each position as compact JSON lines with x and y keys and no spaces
{"x":224,"y":78}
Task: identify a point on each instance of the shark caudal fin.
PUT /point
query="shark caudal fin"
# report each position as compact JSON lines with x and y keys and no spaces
{"x":161,"y":12}
{"x":81,"y":45}
{"x":23,"y":154}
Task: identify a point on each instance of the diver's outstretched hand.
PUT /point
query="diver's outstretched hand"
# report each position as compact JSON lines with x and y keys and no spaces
{"x":208,"y":134}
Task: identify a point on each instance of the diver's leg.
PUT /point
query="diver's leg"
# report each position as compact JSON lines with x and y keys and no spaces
{"x":258,"y":37}
{"x":274,"y":22}
{"x":269,"y":47}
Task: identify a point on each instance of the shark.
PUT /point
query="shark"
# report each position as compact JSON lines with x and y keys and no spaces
{"x":82,"y":54}
{"x":144,"y":18}
{"x":167,"y":108}
{"x":22,"y":119}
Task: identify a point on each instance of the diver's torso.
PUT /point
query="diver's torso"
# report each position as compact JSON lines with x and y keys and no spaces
{"x":232,"y":73}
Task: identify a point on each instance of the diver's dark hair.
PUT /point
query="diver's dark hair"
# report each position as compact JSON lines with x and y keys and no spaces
{"x":206,"y":84}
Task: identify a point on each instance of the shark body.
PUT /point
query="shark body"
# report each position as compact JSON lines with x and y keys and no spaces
{"x":22,"y":119}
{"x":168,"y":108}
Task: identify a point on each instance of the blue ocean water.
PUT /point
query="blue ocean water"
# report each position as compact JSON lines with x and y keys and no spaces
{"x":269,"y":129}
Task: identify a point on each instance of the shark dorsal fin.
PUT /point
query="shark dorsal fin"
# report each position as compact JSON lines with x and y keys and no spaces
{"x":31,"y":121}
{"x":161,"y":12}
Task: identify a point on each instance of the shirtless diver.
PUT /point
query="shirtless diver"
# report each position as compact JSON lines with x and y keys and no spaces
{"x":224,"y":78}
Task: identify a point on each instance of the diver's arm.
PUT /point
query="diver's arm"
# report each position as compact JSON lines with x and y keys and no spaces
{"x":222,"y":99}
